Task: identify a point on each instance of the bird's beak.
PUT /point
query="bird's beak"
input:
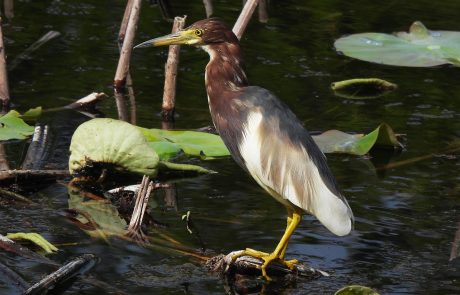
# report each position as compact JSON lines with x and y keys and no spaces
{"x":182,"y":37}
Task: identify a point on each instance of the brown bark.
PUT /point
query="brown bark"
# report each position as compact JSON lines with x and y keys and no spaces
{"x":263,"y":11}
{"x":4,"y":89}
{"x":126,"y":49}
{"x":245,"y":16}
{"x":169,"y":93}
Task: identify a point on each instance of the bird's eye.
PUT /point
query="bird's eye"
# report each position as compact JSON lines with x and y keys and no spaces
{"x":198,"y":32}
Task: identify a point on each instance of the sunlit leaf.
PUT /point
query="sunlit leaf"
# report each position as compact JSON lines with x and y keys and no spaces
{"x":35,"y":238}
{"x":32,"y":114}
{"x":356,"y":290}
{"x":362,"y":88}
{"x":335,"y":141}
{"x":192,"y":143}
{"x":13,"y":127}
{"x":418,"y":48}
{"x":165,"y":149}
{"x":118,"y":146}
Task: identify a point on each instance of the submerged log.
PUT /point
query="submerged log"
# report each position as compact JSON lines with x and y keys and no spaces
{"x":71,"y":269}
{"x":247,"y":265}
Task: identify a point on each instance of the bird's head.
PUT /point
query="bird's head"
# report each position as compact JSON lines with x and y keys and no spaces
{"x":201,"y":33}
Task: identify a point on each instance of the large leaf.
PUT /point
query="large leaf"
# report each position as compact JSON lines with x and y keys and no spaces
{"x":190,"y":142}
{"x":335,"y":141}
{"x":13,"y":127}
{"x":418,"y":48}
{"x":116,"y":145}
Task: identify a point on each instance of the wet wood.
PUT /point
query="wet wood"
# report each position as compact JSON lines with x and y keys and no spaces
{"x":126,"y":49}
{"x":69,"y":270}
{"x":4,"y":164}
{"x":9,"y":8}
{"x":10,"y":246}
{"x":5,"y":174}
{"x":247,"y":265}
{"x":208,"y":7}
{"x":142,"y":198}
{"x":15,"y":196}
{"x":263,"y":11}
{"x":50,"y":35}
{"x":245,"y":16}
{"x":121,"y":106}
{"x":36,"y":152}
{"x":4,"y":89}
{"x":169,"y":92}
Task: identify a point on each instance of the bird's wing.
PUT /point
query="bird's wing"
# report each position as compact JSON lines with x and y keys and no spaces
{"x":283,"y":158}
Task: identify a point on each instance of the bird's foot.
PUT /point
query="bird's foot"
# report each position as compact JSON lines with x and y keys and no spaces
{"x":267,"y":259}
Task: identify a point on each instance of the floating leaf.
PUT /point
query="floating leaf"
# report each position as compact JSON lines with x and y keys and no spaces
{"x":99,"y":218}
{"x":418,"y":48}
{"x":35,"y":238}
{"x":335,"y":141}
{"x":32,"y":114}
{"x":116,"y":145}
{"x":356,"y":290}
{"x":362,"y":88}
{"x":13,"y":127}
{"x":190,"y":142}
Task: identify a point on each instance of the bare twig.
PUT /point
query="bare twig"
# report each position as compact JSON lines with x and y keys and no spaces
{"x":125,"y":55}
{"x":4,"y":165}
{"x":15,"y":196}
{"x":37,"y":149}
{"x":69,"y":270}
{"x":124,"y":23}
{"x":142,"y":198}
{"x":4,"y":89}
{"x":27,"y":53}
{"x":244,"y":17}
{"x":263,"y":11}
{"x":169,"y":93}
{"x":5,"y":174}
{"x":9,"y":8}
{"x":208,"y":7}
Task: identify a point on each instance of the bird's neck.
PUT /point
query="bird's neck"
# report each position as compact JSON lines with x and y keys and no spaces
{"x":224,"y":71}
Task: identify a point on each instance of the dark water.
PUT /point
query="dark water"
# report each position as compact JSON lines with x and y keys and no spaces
{"x":406,"y":217}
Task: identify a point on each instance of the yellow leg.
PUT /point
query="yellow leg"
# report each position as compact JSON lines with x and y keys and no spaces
{"x":278,"y":254}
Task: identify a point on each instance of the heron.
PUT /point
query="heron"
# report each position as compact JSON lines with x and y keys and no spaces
{"x":264,"y":137}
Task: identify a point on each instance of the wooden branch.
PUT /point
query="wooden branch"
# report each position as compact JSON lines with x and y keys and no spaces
{"x":15,"y":196}
{"x":245,"y":16}
{"x":263,"y":11}
{"x":121,"y":106}
{"x":4,"y":164}
{"x":169,"y":93}
{"x":142,"y":198}
{"x":36,"y":45}
{"x":9,"y":8}
{"x":126,"y":49}
{"x":4,"y":89}
{"x":208,"y":7}
{"x":247,"y":265}
{"x":64,"y":273}
{"x":37,"y":149}
{"x":124,"y":24}
{"x":5,"y":174}
{"x":10,"y":246}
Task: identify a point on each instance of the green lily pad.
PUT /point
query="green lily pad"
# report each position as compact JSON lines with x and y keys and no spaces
{"x":192,"y":143}
{"x":362,"y":88}
{"x":418,"y":48}
{"x":356,"y":290}
{"x":335,"y":141}
{"x":32,"y":114}
{"x":13,"y":127}
{"x":118,"y":146}
{"x":35,"y":238}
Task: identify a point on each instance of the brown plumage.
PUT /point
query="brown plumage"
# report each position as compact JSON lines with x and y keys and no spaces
{"x":264,"y":137}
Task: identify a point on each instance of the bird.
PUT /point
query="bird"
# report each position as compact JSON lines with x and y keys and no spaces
{"x":264,"y":137}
